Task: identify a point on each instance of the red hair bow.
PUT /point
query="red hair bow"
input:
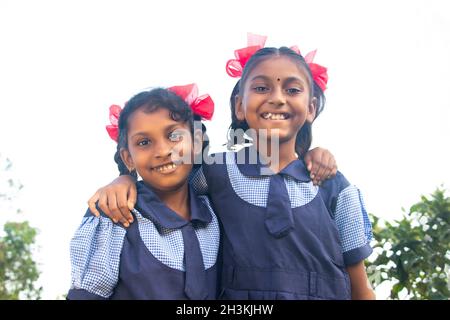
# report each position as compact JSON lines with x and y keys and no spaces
{"x":113,"y":128}
{"x":202,"y":106}
{"x":255,"y":42}
{"x":234,"y":67}
{"x":319,"y":73}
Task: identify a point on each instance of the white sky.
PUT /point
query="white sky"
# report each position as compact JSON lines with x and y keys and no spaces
{"x":62,"y":63}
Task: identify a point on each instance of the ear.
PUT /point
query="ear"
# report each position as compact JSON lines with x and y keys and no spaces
{"x":127,"y":159}
{"x":311,"y":110}
{"x":238,"y":108}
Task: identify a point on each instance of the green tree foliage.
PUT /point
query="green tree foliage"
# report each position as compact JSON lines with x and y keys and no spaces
{"x":18,"y":270}
{"x":414,"y":252}
{"x":9,"y":186}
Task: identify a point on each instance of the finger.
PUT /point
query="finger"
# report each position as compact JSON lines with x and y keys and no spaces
{"x":320,"y":172}
{"x":330,"y":167}
{"x":103,"y":205}
{"x":308,"y":161}
{"x":116,"y":215}
{"x":335,"y":168}
{"x":334,"y":171}
{"x":91,"y":203}
{"x":132,"y":201}
{"x":314,"y":169}
{"x":124,"y":222}
{"x":123,"y":208}
{"x":327,"y":173}
{"x":316,"y":181}
{"x":114,"y":207}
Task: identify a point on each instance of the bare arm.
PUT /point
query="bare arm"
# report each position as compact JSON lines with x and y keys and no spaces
{"x":361,"y":289}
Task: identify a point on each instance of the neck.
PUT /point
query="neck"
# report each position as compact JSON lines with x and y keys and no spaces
{"x":277,"y":157}
{"x":177,"y":200}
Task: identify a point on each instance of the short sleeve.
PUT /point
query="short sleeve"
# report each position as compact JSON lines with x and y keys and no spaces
{"x":95,"y":258}
{"x":198,"y":182}
{"x":352,"y":221}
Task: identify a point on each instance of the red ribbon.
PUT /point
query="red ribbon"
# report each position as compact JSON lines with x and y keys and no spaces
{"x":318,"y":72}
{"x":202,"y":106}
{"x":234,"y":67}
{"x":113,"y":128}
{"x":255,"y":42}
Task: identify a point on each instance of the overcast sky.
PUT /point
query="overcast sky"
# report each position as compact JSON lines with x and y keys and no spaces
{"x":62,"y":63}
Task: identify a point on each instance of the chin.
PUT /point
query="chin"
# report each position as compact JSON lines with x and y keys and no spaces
{"x":166,"y":188}
{"x":171,"y":185}
{"x":165,"y":184}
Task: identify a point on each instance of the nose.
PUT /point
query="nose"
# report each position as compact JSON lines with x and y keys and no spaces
{"x":163,"y":149}
{"x":277,"y":97}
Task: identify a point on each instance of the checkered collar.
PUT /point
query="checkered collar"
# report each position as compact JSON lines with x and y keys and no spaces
{"x":150,"y":206}
{"x":249,"y":164}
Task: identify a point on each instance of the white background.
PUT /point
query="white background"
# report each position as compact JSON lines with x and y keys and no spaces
{"x":62,"y":63}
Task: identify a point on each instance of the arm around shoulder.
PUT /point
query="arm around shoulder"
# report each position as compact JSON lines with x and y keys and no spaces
{"x":116,"y":200}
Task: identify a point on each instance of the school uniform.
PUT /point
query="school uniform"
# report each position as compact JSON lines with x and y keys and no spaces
{"x":160,"y":256}
{"x":283,"y":237}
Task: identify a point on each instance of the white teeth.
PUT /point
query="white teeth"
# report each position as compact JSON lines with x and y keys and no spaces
{"x":274,"y":116}
{"x":165,"y":167}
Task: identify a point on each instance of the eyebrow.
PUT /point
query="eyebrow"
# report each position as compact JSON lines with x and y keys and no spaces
{"x":293,"y":79}
{"x":260,"y":77}
{"x":266,"y":78}
{"x":166,"y":129}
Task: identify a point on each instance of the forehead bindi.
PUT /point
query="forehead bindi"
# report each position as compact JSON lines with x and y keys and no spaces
{"x":278,"y":69}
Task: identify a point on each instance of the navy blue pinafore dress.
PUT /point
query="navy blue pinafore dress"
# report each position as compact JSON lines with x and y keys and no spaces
{"x":280,"y":239}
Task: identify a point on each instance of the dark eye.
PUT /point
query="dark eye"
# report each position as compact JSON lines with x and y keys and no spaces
{"x":175,"y":136}
{"x":260,"y":89}
{"x":143,"y":142}
{"x":293,"y":91}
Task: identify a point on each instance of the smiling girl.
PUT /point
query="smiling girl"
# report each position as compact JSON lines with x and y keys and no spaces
{"x":176,"y":235}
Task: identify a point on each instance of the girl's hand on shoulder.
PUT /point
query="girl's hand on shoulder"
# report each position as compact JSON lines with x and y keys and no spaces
{"x":321,"y":165}
{"x":116,"y":200}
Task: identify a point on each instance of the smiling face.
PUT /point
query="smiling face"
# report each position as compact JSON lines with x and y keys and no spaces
{"x":276,"y":97}
{"x":157,"y":146}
